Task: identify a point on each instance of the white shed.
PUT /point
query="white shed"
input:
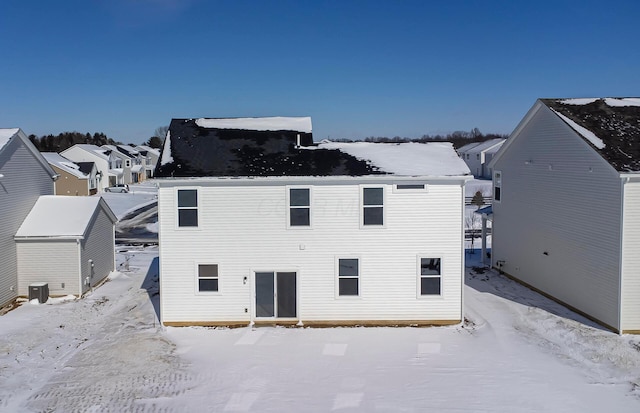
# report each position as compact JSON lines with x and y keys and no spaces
{"x":67,"y":242}
{"x":566,"y":210}
{"x":327,"y":234}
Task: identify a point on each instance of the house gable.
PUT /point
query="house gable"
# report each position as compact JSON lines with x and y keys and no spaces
{"x":610,"y":125}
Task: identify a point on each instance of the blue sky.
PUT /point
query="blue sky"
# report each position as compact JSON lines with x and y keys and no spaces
{"x":358,"y":68}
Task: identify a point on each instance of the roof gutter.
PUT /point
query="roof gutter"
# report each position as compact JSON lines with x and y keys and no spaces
{"x":48,"y":237}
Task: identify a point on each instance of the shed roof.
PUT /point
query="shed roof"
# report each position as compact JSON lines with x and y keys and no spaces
{"x":611,"y":126}
{"x":57,"y":216}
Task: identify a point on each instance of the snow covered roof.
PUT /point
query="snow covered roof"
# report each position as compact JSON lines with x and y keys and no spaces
{"x":128,"y":150}
{"x":57,"y":160}
{"x":405,"y":159}
{"x":149,"y":149}
{"x":58,"y":216}
{"x":192,"y":150}
{"x":93,"y":149}
{"x":276,"y":123}
{"x":6,"y":135}
{"x":610,"y":125}
{"x":477,"y":147}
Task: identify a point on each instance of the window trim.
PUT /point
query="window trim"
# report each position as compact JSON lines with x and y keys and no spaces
{"x":362,"y":207}
{"x":420,"y":277}
{"x":338,"y":277}
{"x":197,"y":278}
{"x":178,"y":208}
{"x":497,"y":183}
{"x":289,"y":207}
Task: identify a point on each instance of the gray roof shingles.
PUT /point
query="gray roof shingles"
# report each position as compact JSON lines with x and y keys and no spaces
{"x":616,"y":125}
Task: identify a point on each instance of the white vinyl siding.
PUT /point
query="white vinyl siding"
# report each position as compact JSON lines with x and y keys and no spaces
{"x":631,"y":258}
{"x":53,"y":262}
{"x":557,"y":226}
{"x":244,"y":228}
{"x":66,"y":261}
{"x":99,"y":247}
{"x":24,"y":180}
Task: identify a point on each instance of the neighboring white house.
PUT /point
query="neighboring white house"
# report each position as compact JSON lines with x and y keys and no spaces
{"x":284,"y":231}
{"x":121,"y":164}
{"x":67,"y":242}
{"x":138,"y":172}
{"x":477,"y":156}
{"x":24,"y":176}
{"x":108,"y":174}
{"x":151,"y":157}
{"x":566,"y":210}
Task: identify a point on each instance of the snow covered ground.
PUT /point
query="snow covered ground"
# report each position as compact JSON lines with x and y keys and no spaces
{"x":516,"y":352}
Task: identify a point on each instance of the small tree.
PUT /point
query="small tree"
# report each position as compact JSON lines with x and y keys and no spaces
{"x":478,"y":199}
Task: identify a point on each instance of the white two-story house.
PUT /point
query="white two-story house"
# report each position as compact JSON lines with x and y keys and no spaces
{"x":259,"y":225}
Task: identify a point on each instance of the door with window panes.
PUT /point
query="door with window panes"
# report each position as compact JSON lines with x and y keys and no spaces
{"x":275,"y":295}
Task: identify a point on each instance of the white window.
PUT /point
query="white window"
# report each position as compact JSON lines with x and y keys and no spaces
{"x":373,"y":206}
{"x":497,"y":186}
{"x":187,"y":207}
{"x":299,"y":207}
{"x":430,"y":276}
{"x":348,"y":277}
{"x":208,"y":277}
{"x":127,"y":163}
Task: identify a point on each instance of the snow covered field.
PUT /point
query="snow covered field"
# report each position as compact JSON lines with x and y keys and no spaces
{"x":515,"y":352}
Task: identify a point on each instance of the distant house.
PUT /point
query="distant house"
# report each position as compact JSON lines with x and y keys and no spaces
{"x":260,"y":225}
{"x":74,"y":178}
{"x":24,"y":176}
{"x":122,"y":164}
{"x":566,"y":211}
{"x":151,"y":157}
{"x":477,"y":156}
{"x":66,"y":242}
{"x":108,"y":173}
{"x":138,"y":173}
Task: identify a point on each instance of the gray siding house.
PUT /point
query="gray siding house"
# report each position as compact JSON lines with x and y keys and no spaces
{"x":566,"y":211}
{"x":24,"y":176}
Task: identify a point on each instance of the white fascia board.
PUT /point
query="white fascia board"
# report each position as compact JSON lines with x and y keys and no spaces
{"x":310,"y":180}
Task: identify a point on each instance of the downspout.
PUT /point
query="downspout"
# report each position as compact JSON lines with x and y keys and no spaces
{"x":463,"y":255}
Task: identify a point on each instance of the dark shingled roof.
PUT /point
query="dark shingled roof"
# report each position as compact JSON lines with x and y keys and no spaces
{"x":617,"y":126}
{"x":200,"y":151}
{"x":85,"y":167}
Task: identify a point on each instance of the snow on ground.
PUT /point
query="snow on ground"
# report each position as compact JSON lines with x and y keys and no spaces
{"x":517,"y":351}
{"x":123,"y":203}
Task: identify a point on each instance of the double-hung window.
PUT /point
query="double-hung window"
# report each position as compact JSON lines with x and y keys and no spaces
{"x":299,"y":207}
{"x":348,"y":277}
{"x":207,"y":277}
{"x":430,"y":276}
{"x":497,"y":186}
{"x":187,"y":207}
{"x":372,"y":206}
